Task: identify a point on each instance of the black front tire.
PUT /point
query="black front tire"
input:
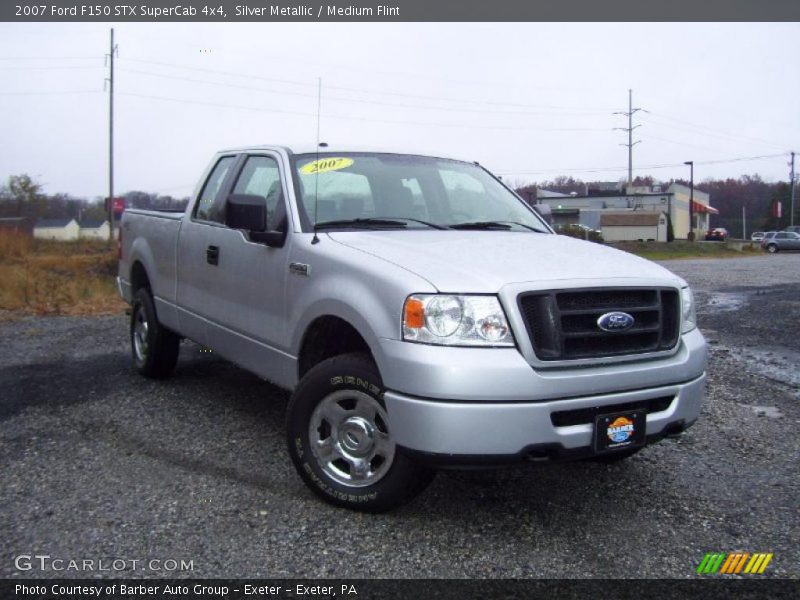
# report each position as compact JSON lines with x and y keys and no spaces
{"x":154,"y":347}
{"x":354,"y":462}
{"x":772,"y":248}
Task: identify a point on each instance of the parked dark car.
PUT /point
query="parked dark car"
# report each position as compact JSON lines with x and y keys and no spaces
{"x":719,"y":234}
{"x":793,"y":229}
{"x":776,"y":241}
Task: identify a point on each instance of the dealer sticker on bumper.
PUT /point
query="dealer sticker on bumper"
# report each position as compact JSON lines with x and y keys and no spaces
{"x":620,"y":430}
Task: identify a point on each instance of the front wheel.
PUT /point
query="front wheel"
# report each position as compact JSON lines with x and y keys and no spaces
{"x":772,"y":248}
{"x":340,"y":439}
{"x":154,"y":347}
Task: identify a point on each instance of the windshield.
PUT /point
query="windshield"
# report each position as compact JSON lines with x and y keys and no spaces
{"x":388,"y":191}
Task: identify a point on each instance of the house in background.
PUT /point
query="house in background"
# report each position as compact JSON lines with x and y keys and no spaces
{"x":56,"y":229}
{"x":94,"y":230}
{"x":634,"y":225}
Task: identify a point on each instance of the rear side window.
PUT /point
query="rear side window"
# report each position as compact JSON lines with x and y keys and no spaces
{"x":207,"y":207}
{"x":261,"y":177}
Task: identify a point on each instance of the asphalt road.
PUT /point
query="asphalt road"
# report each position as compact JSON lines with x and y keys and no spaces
{"x":98,"y":463}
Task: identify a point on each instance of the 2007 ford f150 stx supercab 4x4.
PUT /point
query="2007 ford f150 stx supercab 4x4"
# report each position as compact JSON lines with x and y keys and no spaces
{"x":422,"y":314}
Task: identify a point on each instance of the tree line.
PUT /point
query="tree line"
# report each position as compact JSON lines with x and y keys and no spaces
{"x":21,"y":196}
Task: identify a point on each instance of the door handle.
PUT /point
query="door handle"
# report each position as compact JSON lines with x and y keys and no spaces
{"x":212,"y":255}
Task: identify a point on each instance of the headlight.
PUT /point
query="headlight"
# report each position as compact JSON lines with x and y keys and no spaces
{"x":455,"y":321}
{"x":689,"y":317}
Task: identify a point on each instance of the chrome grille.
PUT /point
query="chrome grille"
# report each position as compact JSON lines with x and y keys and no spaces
{"x":563,"y":325}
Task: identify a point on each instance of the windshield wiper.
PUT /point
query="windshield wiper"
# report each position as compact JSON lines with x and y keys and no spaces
{"x":362,"y":223}
{"x":496,"y":225}
{"x":500,"y":225}
{"x":394,"y":222}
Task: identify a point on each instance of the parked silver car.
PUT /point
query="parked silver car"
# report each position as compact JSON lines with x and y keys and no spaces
{"x":779,"y":241}
{"x":757,"y":236}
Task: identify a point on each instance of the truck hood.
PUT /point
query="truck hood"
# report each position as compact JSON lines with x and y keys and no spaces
{"x":486,"y":261}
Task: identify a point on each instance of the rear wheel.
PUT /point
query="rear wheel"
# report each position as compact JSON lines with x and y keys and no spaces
{"x":772,"y":248}
{"x":340,"y":439}
{"x":154,"y":347}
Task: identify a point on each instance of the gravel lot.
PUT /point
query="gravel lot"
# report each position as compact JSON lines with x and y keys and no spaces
{"x":97,"y":462}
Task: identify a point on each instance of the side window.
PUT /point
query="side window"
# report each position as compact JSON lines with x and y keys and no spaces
{"x":261,"y":177}
{"x":205,"y":210}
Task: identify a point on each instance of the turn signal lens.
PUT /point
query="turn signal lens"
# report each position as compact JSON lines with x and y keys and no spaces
{"x":414,"y":313}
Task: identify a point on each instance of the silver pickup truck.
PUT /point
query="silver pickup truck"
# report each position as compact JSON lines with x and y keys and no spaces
{"x":421,"y":313}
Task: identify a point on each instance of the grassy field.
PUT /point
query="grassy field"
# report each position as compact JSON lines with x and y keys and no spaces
{"x":682,"y":249}
{"x":46,"y":277}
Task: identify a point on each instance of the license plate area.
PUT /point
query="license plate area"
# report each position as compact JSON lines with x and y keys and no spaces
{"x":620,"y":431}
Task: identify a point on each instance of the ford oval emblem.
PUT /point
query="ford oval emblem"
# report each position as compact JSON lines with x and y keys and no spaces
{"x":615,"y":321}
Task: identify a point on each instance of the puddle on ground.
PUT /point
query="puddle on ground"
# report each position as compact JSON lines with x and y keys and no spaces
{"x":765,"y":411}
{"x":778,"y":363}
{"x":723,"y":302}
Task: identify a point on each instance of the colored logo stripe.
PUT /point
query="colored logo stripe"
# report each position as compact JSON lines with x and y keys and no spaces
{"x":733,"y":563}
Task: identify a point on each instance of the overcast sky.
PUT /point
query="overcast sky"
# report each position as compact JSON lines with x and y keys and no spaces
{"x":528,"y":100}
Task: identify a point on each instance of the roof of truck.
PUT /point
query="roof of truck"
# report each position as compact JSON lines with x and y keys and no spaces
{"x":307,"y":148}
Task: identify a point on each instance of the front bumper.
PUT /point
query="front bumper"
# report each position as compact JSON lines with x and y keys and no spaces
{"x":477,"y":432}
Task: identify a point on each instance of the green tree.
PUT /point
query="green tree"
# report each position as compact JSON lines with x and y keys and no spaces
{"x":26,"y":195}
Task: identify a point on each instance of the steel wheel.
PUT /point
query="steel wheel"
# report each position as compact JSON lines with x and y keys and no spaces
{"x":140,"y":329}
{"x":349,"y":438}
{"x":154,"y":348}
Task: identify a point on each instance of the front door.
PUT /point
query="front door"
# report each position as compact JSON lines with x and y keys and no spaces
{"x":247,"y":311}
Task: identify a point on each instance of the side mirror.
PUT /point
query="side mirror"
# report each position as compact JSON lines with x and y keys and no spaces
{"x":248,"y":212}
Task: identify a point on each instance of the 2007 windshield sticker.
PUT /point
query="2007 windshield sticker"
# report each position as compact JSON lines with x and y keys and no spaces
{"x":323,"y":165}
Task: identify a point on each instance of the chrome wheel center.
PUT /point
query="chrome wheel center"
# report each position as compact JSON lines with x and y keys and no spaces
{"x":349,"y":438}
{"x":356,"y":435}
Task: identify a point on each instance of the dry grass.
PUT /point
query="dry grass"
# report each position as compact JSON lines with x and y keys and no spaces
{"x":46,"y":277}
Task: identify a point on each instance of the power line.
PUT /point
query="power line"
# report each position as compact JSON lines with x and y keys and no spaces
{"x":64,"y":68}
{"x":311,"y":86}
{"x":48,"y":57}
{"x":704,"y":130}
{"x":364,"y":119}
{"x":643,"y":167}
{"x":344,"y":99}
{"x":49,"y":93}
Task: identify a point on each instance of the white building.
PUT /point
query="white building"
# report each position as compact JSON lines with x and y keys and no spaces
{"x":56,"y":229}
{"x":94,"y":230}
{"x":587,"y":209}
{"x":633,"y":226}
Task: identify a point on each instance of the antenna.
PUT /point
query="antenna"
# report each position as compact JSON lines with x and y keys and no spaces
{"x":315,"y":239}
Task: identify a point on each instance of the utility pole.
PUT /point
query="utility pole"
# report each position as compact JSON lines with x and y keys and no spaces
{"x":791,"y":210}
{"x":631,"y":111}
{"x":110,"y":80}
{"x":744,"y":222}
{"x":690,"y":237}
